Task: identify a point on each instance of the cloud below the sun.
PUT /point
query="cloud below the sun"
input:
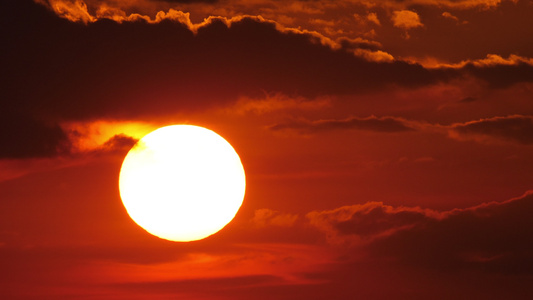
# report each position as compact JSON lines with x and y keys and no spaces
{"x":492,"y":236}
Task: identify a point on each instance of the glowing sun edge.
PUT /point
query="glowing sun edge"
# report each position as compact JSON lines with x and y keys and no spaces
{"x":182,"y":182}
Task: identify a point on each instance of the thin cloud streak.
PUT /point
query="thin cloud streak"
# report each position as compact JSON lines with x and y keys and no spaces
{"x":515,"y":128}
{"x":372,"y":123}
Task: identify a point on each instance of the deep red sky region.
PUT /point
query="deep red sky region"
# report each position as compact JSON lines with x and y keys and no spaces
{"x":388,"y":146}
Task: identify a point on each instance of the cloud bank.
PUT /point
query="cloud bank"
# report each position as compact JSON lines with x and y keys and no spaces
{"x":490,"y":237}
{"x":59,"y":71}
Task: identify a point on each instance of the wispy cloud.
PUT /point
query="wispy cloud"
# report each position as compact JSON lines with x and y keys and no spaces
{"x":514,"y":128}
{"x":372,"y":123}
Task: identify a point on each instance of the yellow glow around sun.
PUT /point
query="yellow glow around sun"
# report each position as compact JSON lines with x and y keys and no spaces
{"x":91,"y":135}
{"x":182,"y":182}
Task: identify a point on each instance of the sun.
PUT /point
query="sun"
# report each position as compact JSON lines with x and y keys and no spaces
{"x":182,"y":182}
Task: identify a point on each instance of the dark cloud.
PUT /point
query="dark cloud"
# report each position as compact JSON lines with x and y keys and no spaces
{"x":516,"y":128}
{"x":119,"y":142}
{"x":367,"y":221}
{"x":22,"y":136}
{"x":382,"y":124}
{"x":491,"y":237}
{"x":60,"y":70}
{"x":377,"y":220}
{"x":352,"y":44}
{"x":501,"y":76}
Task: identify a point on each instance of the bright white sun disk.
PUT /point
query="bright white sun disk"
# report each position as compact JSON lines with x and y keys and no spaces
{"x":182,"y":182}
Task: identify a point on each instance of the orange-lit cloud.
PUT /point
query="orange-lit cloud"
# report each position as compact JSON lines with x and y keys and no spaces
{"x":264,"y":6}
{"x":75,"y":10}
{"x":494,"y":60}
{"x":452,"y":17}
{"x":375,"y":56}
{"x":449,"y":16}
{"x":406,"y":19}
{"x":372,"y":17}
{"x":491,"y":60}
{"x":93,"y":135}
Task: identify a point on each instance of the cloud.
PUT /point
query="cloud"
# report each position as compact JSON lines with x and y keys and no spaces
{"x":450,"y":16}
{"x":105,"y":135}
{"x":74,"y":10}
{"x":484,"y":68}
{"x":495,"y":60}
{"x":406,"y":19}
{"x":358,"y":43}
{"x":370,"y":18}
{"x":373,"y":17}
{"x":515,"y":128}
{"x":281,"y":7}
{"x":490,"y":61}
{"x":501,"y":72}
{"x":372,"y":123}
{"x":267,"y":217}
{"x":366,"y":221}
{"x":63,"y":71}
{"x":23,"y":137}
{"x":119,"y":142}
{"x":66,"y":72}
{"x":275,"y":103}
{"x":494,"y":236}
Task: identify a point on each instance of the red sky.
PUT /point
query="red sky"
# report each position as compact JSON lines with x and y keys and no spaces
{"x":388,"y":146}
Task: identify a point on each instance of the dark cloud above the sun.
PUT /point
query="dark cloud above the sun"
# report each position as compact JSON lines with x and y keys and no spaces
{"x":60,"y":70}
{"x":104,"y":65}
{"x":25,"y":137}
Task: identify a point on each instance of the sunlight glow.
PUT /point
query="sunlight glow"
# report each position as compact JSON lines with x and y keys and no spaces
{"x":182,"y":182}
{"x":86,"y":136}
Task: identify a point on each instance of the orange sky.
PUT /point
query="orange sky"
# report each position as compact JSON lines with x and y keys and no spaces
{"x":387,"y":146}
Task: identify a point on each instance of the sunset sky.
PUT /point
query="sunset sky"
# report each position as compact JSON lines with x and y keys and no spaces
{"x":388,"y":146}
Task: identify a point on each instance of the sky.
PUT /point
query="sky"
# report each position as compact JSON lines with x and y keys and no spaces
{"x":387,"y":145}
